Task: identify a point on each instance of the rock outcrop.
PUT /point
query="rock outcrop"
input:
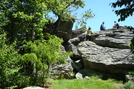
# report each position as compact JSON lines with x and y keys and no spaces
{"x":77,"y":32}
{"x":65,"y":30}
{"x":108,"y":52}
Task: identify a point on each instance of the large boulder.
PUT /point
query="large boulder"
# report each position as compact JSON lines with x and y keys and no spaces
{"x":110,"y":60}
{"x":108,"y":51}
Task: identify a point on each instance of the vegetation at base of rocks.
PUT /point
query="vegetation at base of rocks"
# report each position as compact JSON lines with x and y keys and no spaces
{"x":83,"y":84}
{"x":96,"y":80}
{"x":92,"y":83}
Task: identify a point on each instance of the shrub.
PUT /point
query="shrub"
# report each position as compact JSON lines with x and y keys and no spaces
{"x":42,"y":54}
{"x":9,"y":65}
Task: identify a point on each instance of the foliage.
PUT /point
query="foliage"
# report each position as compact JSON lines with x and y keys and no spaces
{"x":43,"y":53}
{"x":3,"y":19}
{"x":26,"y":19}
{"x":9,"y":65}
{"x":64,"y":8}
{"x":127,"y":8}
{"x":10,"y":60}
{"x":126,"y":11}
{"x":82,"y":21}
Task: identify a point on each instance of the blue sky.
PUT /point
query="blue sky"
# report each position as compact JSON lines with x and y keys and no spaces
{"x":103,"y":13}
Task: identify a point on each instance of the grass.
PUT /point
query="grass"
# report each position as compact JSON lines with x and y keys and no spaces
{"x":95,"y":81}
{"x":83,"y":84}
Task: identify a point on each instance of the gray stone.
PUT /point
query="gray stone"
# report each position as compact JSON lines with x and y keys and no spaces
{"x":107,"y":52}
{"x":33,"y":87}
{"x":129,"y":78}
{"x":78,"y":76}
{"x":112,"y":60}
{"x":77,"y":32}
{"x":115,"y":38}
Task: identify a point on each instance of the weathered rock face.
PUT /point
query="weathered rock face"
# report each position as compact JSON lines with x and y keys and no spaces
{"x":111,"y":60}
{"x":114,"y":38}
{"x":72,"y":45}
{"x":65,"y":30}
{"x":107,"y":52}
{"x":76,"y":33}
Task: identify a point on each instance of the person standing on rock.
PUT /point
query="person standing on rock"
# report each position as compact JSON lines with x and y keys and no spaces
{"x":102,"y":26}
{"x":89,"y":33}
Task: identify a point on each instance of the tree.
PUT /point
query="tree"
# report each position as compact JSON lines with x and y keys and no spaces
{"x":68,"y":12}
{"x":126,"y":11}
{"x":29,"y":17}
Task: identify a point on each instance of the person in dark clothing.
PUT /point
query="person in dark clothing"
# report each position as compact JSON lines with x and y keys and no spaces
{"x":116,"y":25}
{"x":102,"y":26}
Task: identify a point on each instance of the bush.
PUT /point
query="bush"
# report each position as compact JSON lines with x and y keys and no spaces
{"x":9,"y":65}
{"x":42,"y":54}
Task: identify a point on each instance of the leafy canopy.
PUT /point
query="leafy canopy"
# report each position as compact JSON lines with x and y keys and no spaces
{"x":126,"y":8}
